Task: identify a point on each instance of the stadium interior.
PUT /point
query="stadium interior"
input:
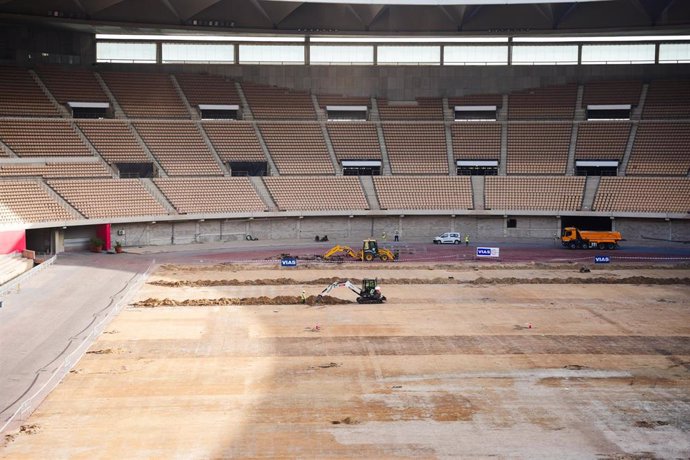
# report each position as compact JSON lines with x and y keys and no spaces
{"x":231,"y":147}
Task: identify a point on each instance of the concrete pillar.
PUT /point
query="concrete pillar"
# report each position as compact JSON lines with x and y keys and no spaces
{"x":57,"y":241}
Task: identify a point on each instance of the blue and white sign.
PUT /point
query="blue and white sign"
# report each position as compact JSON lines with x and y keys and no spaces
{"x":488,"y":252}
{"x":602,"y":259}
{"x":288,"y":262}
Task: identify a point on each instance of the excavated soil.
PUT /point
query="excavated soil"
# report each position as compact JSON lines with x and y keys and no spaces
{"x":223,"y":301}
{"x":437,"y":280}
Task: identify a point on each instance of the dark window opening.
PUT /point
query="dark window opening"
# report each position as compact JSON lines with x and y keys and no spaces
{"x":477,"y":170}
{"x":248,"y":168}
{"x":135,"y":170}
{"x":596,"y":171}
{"x":89,"y":112}
{"x":475,"y":115}
{"x":220,"y":114}
{"x":361,"y":170}
{"x":511,"y":223}
{"x":587,"y":223}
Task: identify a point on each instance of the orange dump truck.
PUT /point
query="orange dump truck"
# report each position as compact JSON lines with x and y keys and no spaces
{"x":574,"y":238}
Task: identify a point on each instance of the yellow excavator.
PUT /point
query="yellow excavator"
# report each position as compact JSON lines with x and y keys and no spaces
{"x":370,"y":251}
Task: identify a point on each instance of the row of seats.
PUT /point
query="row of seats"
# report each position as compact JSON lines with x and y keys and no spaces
{"x":21,"y":95}
{"x":71,"y":84}
{"x":108,"y":198}
{"x":208,"y":89}
{"x":26,"y":201}
{"x":234,"y":141}
{"x":534,"y":193}
{"x":660,"y":148}
{"x":533,"y":148}
{"x":537,"y":148}
{"x":179,"y":148}
{"x":297,"y":148}
{"x":273,"y":103}
{"x":420,"y":109}
{"x":146,"y":95}
{"x":153,"y":95}
{"x":602,"y":140}
{"x":443,"y":193}
{"x":114,"y":140}
{"x":316,"y":193}
{"x":211,"y":195}
{"x":354,"y":141}
{"x":54,"y":170}
{"x":41,"y":137}
{"x":416,"y":148}
{"x":643,"y":194}
{"x":476,"y":140}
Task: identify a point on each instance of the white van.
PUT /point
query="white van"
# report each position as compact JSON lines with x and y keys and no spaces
{"x":448,"y":238}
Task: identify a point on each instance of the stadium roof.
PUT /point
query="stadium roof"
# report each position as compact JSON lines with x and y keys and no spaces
{"x":444,"y":17}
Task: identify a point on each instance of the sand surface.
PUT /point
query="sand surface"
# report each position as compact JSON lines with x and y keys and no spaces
{"x":439,"y":371}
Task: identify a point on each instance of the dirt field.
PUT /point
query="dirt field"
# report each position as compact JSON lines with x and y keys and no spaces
{"x":449,"y":368}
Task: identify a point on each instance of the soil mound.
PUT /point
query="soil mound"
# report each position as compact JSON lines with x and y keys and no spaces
{"x":225,"y":301}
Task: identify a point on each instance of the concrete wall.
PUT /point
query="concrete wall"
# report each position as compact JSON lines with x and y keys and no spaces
{"x":410,"y":228}
{"x":408,"y":82}
{"x":638,"y":229}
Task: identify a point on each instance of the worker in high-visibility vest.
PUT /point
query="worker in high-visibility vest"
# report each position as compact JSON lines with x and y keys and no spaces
{"x":467,"y":240}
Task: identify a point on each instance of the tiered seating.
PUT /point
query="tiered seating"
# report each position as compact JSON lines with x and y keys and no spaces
{"x":534,"y":193}
{"x":26,"y":201}
{"x":297,"y":148}
{"x":354,"y":140}
{"x":105,"y":198}
{"x":179,"y":148}
{"x":602,"y":140}
{"x":55,"y":170}
{"x":114,"y":141}
{"x":316,"y":193}
{"x":612,"y":92}
{"x":661,"y":148}
{"x":40,"y":138}
{"x":476,"y":99}
{"x":441,"y":192}
{"x":476,"y":141}
{"x":211,"y":195}
{"x":72,"y":85}
{"x":643,"y":194}
{"x":668,"y":99}
{"x":538,"y":148}
{"x":272,"y":103}
{"x":426,"y":108}
{"x":208,"y":89}
{"x":416,"y":148}
{"x":21,"y":95}
{"x":329,"y":99}
{"x":234,"y":141}
{"x":145,"y":95}
{"x":548,"y":103}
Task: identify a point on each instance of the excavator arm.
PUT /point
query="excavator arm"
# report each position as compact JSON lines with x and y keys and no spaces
{"x":337,"y":249}
{"x":338,"y":284}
